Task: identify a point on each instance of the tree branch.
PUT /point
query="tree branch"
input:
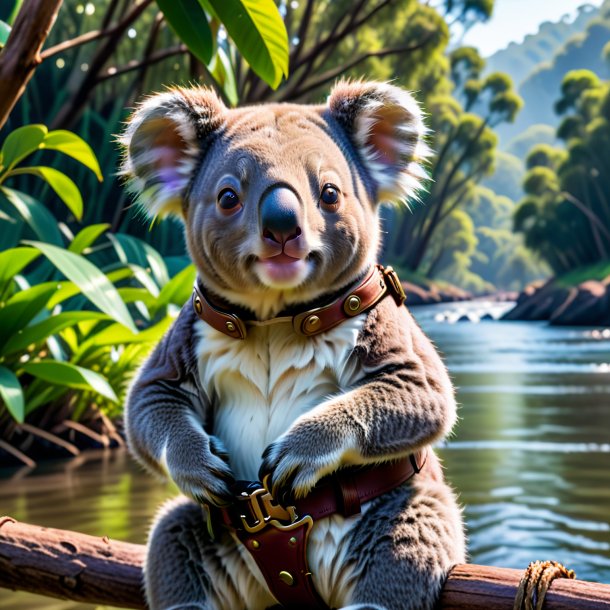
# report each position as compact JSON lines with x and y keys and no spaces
{"x":21,"y":55}
{"x":70,"y":565}
{"x":330,"y":75}
{"x":149,"y":61}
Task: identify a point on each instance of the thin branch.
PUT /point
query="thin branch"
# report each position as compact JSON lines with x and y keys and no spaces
{"x":149,"y":61}
{"x":330,"y":75}
{"x":91,"y":36}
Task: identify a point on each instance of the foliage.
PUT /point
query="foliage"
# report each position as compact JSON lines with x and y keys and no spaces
{"x":565,"y":216}
{"x":17,"y":147}
{"x":466,"y":151}
{"x":578,"y":45}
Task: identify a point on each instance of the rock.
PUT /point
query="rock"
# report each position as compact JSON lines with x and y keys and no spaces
{"x":587,"y":304}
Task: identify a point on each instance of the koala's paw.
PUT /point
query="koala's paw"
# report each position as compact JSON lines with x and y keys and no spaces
{"x":203,"y":475}
{"x":297,"y":460}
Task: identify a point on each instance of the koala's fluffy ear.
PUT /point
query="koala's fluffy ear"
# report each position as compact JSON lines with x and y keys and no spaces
{"x":163,"y":142}
{"x":385,"y":125}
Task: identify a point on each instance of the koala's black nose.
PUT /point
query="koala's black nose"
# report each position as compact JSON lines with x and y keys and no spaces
{"x":280,"y":215}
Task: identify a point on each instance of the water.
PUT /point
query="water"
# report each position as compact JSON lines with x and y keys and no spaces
{"x":530,"y":457}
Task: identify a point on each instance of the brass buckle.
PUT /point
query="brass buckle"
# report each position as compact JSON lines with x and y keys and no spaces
{"x":393,"y":283}
{"x":264,"y":511}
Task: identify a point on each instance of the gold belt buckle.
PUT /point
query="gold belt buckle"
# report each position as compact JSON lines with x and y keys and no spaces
{"x":393,"y":283}
{"x":264,"y":511}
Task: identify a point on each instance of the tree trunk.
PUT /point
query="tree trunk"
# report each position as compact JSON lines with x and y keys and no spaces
{"x":96,"y":570}
{"x":21,"y":54}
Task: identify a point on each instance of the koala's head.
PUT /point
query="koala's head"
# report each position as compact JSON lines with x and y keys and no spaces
{"x":279,"y":201}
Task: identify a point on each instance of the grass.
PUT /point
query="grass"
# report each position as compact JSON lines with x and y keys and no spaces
{"x":599,"y":272}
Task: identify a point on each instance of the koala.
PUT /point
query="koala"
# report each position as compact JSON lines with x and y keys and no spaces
{"x":280,"y":209}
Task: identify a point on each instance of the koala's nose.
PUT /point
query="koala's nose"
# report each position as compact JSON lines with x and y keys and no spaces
{"x":280,"y":215}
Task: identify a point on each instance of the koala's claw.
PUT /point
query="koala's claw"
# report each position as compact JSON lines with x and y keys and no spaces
{"x":289,"y":473}
{"x":207,"y":479}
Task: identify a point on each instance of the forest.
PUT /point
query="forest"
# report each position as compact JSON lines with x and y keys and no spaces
{"x":517,"y":190}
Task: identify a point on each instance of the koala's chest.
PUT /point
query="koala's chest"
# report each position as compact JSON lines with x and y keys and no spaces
{"x":260,"y":386}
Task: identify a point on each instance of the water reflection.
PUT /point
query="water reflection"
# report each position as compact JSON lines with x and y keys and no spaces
{"x":530,"y":458}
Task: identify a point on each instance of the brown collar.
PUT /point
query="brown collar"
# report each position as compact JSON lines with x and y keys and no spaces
{"x":379,"y":283}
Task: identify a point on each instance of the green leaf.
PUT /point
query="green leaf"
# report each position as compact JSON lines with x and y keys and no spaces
{"x":222,"y":71}
{"x":188,"y":20}
{"x":21,"y":308}
{"x":12,"y":394}
{"x":115,"y":334}
{"x":35,"y":215}
{"x":5,"y":30}
{"x":20,"y":143}
{"x":12,"y":262}
{"x":64,"y":187}
{"x":40,"y":332}
{"x":70,"y":375}
{"x":92,"y":282}
{"x":177,"y":290}
{"x":74,"y":146}
{"x":257,"y":29}
{"x":132,"y":250}
{"x":84,"y":238}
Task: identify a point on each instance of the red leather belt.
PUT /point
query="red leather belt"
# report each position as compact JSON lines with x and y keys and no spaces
{"x":276,"y":537}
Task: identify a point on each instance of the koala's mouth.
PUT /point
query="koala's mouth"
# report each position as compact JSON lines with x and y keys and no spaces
{"x":282,"y":270}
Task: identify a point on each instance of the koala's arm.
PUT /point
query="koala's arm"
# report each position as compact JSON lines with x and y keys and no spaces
{"x":165,"y":418}
{"x":404,"y":402}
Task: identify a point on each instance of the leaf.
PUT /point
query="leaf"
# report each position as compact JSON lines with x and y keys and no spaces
{"x":91,"y":281}
{"x":189,"y":21}
{"x":12,"y":262}
{"x":5,"y":30}
{"x":74,"y":146}
{"x":70,"y":375}
{"x":115,"y":334}
{"x":20,"y":143}
{"x":12,"y":394}
{"x":38,"y":218}
{"x":222,"y":71}
{"x":84,"y":238}
{"x":64,"y":187}
{"x":177,"y":290}
{"x":43,"y":330}
{"x":133,"y":250}
{"x":21,"y":308}
{"x":257,"y":29}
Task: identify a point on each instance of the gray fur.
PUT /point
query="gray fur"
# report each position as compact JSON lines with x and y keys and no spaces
{"x":371,"y":390}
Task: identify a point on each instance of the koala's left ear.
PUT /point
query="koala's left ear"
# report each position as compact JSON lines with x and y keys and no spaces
{"x":163,"y":142}
{"x":385,"y":125}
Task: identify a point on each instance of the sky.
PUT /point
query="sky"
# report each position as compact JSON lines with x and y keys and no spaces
{"x":513,"y":19}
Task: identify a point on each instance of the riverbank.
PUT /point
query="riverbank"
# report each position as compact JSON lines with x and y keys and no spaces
{"x":571,"y":300}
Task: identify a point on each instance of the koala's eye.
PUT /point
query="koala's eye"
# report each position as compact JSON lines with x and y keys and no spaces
{"x":228,"y":201}
{"x":330,"y":196}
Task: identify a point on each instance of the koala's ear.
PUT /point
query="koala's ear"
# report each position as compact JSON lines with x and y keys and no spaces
{"x":163,"y":142}
{"x":384,"y":123}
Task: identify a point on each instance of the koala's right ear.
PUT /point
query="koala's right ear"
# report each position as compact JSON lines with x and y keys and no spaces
{"x":163,"y":142}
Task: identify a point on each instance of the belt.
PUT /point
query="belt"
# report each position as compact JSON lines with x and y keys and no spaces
{"x":276,"y":536}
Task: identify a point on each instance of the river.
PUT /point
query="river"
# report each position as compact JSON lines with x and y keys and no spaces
{"x":530,"y":457}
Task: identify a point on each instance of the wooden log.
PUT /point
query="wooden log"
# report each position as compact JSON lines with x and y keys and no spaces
{"x":75,"y":566}
{"x":69,"y":565}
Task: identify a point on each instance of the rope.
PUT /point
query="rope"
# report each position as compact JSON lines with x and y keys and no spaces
{"x":536,"y":580}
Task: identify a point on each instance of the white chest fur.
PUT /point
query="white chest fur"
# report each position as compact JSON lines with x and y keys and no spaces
{"x":259,"y":386}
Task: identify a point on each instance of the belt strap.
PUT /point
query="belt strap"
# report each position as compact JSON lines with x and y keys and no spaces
{"x":276,"y":537}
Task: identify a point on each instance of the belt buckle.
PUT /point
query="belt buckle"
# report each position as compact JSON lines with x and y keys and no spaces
{"x":264,"y":510}
{"x":393,"y":283}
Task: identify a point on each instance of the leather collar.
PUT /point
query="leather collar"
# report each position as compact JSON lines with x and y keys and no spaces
{"x":378,"y":283}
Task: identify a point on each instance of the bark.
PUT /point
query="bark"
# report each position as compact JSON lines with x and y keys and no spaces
{"x":21,"y":55}
{"x":90,"y":569}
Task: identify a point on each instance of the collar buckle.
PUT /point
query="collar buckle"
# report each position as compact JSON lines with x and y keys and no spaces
{"x":394,"y":286}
